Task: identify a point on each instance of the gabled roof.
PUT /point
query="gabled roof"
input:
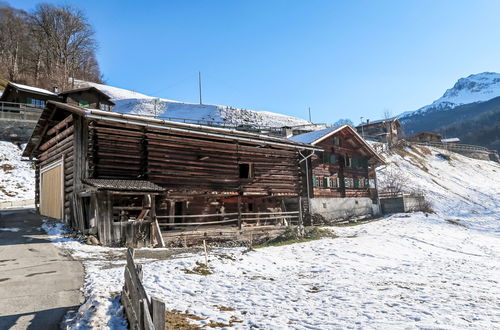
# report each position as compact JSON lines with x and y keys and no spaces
{"x":450,"y":140}
{"x":395,"y":119}
{"x":28,"y":89}
{"x":176,"y":127}
{"x":317,"y":136}
{"x":89,"y":89}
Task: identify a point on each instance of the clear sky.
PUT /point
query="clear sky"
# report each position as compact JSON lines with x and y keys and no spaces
{"x":344,"y":59}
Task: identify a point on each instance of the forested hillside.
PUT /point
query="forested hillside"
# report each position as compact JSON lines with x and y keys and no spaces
{"x":47,"y":46}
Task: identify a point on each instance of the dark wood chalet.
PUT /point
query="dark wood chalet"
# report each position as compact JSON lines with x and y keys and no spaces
{"x":385,"y":130}
{"x":340,"y":180}
{"x":87,"y":97}
{"x":27,"y":95}
{"x":127,"y":178}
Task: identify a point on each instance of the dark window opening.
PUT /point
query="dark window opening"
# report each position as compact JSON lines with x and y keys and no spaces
{"x":178,"y":210}
{"x":336,"y":141}
{"x":250,"y":207}
{"x":245,"y":171}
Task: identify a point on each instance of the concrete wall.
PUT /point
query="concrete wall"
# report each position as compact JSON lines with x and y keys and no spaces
{"x":402,"y":204}
{"x":14,"y":204}
{"x":16,"y":130}
{"x":338,"y":209}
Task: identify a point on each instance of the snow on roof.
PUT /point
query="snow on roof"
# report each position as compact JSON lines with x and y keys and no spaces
{"x":33,"y":89}
{"x":378,"y":121}
{"x":450,"y":140}
{"x":314,"y":135}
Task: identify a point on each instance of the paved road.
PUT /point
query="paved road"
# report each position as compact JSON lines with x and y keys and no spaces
{"x":39,"y":283}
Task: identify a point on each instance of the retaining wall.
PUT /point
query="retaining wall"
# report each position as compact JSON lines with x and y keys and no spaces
{"x":338,"y":209}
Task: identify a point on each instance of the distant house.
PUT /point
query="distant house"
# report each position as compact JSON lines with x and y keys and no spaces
{"x":340,"y":181}
{"x":88,"y":97}
{"x":384,"y":130}
{"x":450,"y":141}
{"x":425,"y":137}
{"x":27,"y":95}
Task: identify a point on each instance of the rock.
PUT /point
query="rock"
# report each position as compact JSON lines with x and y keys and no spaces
{"x":92,"y":240}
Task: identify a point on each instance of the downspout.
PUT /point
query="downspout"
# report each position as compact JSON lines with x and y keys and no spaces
{"x":304,"y":158}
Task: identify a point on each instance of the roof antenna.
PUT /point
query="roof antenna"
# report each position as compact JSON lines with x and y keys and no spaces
{"x":199,"y":85}
{"x":310,"y":115}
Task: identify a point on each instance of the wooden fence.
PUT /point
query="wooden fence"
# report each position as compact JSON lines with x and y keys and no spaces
{"x":142,"y":312}
{"x":239,"y":219}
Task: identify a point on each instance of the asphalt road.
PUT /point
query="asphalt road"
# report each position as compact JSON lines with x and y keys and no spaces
{"x":39,"y":283}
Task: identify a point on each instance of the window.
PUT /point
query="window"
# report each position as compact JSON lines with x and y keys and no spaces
{"x":329,"y":158}
{"x":336,"y":141}
{"x":326,"y":182}
{"x":83,"y":104}
{"x":35,"y":102}
{"x":348,"y":161}
{"x":356,"y":183}
{"x":245,"y":170}
{"x":315,"y":181}
{"x":367,"y":183}
{"x":105,"y":107}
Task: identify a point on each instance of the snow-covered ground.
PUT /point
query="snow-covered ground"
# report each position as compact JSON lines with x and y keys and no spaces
{"x":405,"y":271}
{"x":16,"y":177}
{"x":136,"y":103}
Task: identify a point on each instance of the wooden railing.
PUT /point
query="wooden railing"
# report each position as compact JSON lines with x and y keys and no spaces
{"x":19,"y":111}
{"x":239,"y":219}
{"x":142,"y":312}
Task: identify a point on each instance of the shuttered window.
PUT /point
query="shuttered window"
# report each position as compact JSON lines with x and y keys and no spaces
{"x":329,"y":158}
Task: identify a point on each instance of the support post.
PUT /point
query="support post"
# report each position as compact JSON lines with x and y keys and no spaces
{"x":239,"y":211}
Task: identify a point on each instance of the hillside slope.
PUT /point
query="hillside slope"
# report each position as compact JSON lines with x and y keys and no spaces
{"x":460,"y":112}
{"x":17,"y":178}
{"x":136,"y":103}
{"x":457,"y":186}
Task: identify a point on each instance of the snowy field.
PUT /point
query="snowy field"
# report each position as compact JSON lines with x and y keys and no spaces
{"x":16,"y":177}
{"x":128,"y":101}
{"x":405,"y":271}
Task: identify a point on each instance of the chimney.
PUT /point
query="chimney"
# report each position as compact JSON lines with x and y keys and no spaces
{"x":55,"y":89}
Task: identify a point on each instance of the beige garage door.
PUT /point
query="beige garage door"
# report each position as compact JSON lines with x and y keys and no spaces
{"x":51,"y":200}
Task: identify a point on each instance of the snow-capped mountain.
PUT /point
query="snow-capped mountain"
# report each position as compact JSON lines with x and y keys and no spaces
{"x":470,"y":110}
{"x":475,"y":88}
{"x":132,"y":102}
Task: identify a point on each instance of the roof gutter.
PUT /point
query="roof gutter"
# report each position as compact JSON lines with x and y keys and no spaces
{"x":89,"y":114}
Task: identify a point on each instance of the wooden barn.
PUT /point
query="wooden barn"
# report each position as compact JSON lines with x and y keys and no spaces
{"x":137,"y":181}
{"x":340,"y":180}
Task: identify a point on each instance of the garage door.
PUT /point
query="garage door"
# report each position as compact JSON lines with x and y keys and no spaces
{"x":51,"y":194}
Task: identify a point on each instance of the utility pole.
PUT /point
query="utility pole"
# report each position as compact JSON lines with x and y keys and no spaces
{"x":199,"y":85}
{"x":310,"y":114}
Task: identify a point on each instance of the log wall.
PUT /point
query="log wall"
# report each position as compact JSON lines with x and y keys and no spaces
{"x":190,"y":163}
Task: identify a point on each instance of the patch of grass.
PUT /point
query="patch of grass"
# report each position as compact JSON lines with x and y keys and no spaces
{"x":7,"y":167}
{"x":292,"y":236}
{"x":314,"y":289}
{"x":455,"y":222}
{"x":224,"y":308}
{"x":199,"y":269}
{"x":175,"y":319}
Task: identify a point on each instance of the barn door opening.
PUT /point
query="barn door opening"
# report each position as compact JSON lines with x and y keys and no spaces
{"x":52,"y":191}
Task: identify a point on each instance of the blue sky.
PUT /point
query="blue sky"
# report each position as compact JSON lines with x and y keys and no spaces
{"x":344,"y":59}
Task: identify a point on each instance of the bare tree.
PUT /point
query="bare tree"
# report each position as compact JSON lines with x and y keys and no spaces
{"x":47,"y":47}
